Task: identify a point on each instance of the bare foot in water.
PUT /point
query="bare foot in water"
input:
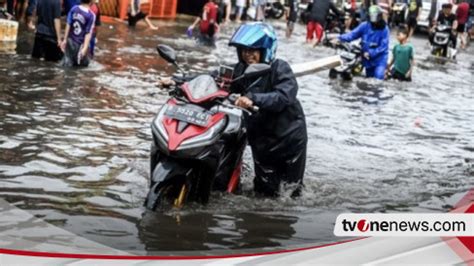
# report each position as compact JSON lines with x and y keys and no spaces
{"x":31,"y":26}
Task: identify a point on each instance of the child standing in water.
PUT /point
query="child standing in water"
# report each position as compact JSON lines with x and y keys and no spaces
{"x":402,"y":60}
{"x":77,"y":38}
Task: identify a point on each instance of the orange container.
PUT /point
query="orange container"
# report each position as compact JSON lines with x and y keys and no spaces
{"x":154,"y":8}
{"x":114,"y":8}
{"x":109,"y":8}
{"x":162,"y":8}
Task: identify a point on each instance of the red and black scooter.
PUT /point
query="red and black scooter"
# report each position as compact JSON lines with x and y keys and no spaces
{"x":198,"y":138}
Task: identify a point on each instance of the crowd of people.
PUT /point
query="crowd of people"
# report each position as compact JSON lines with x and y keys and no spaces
{"x":277,"y":134}
{"x":76,"y":46}
{"x":219,"y":12}
{"x":373,"y":28}
{"x":369,"y":21}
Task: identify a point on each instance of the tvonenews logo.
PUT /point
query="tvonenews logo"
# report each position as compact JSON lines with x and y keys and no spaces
{"x":405,"y":224}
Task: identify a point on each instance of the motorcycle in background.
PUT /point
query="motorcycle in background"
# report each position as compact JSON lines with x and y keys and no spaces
{"x":335,"y":25}
{"x":353,"y":15}
{"x":399,"y":13}
{"x":442,"y":45}
{"x":351,"y":55}
{"x":272,"y":9}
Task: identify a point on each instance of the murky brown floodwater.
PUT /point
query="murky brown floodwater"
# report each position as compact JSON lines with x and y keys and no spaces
{"x":74,"y":145}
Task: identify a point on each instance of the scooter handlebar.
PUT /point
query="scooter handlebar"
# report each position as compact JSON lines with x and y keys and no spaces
{"x":252,"y":109}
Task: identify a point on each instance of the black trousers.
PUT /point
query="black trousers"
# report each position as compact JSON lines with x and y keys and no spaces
{"x":132,"y":20}
{"x":398,"y":76}
{"x":71,"y":57}
{"x":46,"y":47}
{"x":271,"y":172}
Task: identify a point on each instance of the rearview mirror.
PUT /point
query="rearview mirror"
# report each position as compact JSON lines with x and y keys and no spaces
{"x":256,"y":70}
{"x":167,"y":53}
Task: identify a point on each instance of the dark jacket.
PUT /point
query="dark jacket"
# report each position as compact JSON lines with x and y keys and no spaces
{"x":47,"y":11}
{"x":320,"y":9}
{"x":278,"y":129}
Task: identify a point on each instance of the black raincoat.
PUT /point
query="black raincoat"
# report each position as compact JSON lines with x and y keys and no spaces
{"x":277,"y":132}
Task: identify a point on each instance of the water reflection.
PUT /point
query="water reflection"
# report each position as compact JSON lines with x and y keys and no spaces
{"x":207,"y":231}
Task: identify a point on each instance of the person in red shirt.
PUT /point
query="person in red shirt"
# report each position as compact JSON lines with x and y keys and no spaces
{"x":462,"y":14}
{"x":208,"y":26}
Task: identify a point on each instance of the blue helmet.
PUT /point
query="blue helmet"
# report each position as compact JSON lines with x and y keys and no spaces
{"x":256,"y":35}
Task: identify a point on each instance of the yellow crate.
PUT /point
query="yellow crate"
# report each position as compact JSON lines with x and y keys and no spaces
{"x":8,"y":30}
{"x":7,"y":47}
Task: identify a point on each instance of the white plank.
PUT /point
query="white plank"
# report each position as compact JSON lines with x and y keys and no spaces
{"x":316,"y":66}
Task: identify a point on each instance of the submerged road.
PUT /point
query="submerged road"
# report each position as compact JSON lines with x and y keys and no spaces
{"x":74,"y":144}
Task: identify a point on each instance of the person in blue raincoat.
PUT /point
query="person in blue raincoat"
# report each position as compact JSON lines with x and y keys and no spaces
{"x":375,"y":36}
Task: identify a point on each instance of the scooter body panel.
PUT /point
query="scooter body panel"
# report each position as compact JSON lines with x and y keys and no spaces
{"x":212,"y":152}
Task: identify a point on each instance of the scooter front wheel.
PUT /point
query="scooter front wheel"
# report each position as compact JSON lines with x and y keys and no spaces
{"x":346,"y":76}
{"x":332,"y":73}
{"x":437,"y":52}
{"x":170,"y":194}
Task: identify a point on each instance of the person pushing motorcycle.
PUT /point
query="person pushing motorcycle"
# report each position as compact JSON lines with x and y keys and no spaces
{"x":277,"y":132}
{"x":374,"y":36}
{"x":447,"y":18}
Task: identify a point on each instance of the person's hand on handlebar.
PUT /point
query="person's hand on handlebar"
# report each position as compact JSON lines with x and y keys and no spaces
{"x":244,"y":102}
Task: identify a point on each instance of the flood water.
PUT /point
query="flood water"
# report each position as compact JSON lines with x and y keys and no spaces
{"x":74,"y":145}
